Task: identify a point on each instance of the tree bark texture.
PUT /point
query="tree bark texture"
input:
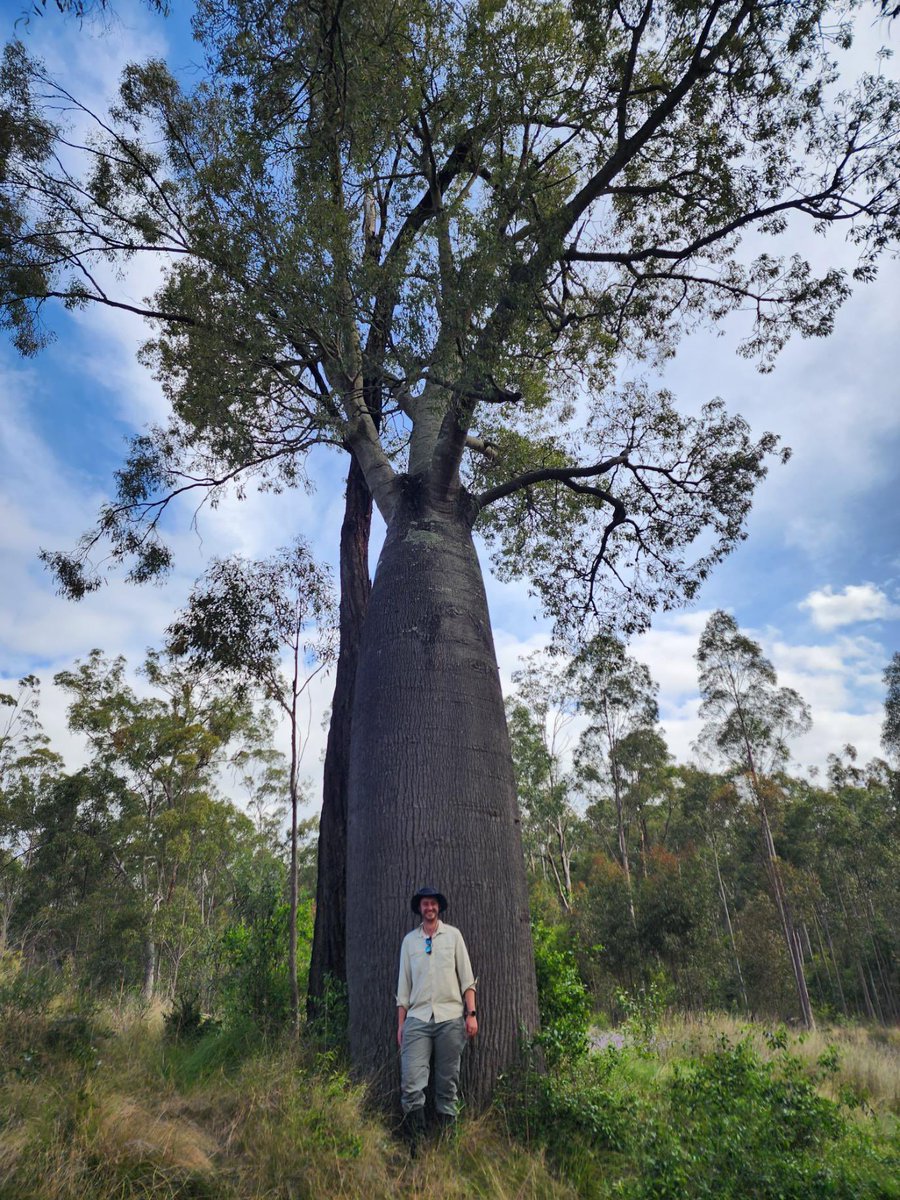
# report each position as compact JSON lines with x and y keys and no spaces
{"x":432,"y":796}
{"x":328,"y":960}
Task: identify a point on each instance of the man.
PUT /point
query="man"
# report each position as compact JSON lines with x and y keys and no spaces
{"x":435,"y":1013}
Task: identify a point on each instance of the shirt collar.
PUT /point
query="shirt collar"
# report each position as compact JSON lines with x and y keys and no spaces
{"x":438,"y":929}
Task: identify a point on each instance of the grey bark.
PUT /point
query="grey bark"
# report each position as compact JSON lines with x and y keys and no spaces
{"x":329,"y":939}
{"x":432,"y":796}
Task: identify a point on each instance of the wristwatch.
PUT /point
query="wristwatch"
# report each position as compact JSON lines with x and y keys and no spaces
{"x":472,"y":1013}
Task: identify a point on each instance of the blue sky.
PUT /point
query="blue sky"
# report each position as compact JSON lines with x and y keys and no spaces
{"x":817,"y":582}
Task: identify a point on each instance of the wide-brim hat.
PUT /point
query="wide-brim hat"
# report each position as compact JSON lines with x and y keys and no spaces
{"x":428,"y":891}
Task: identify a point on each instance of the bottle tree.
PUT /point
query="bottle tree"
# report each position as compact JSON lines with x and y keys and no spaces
{"x":429,"y":234}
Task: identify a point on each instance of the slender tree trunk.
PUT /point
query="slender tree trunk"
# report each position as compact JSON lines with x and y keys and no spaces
{"x":837,"y":965}
{"x":149,"y":984}
{"x":823,"y":953}
{"x":778,"y":893}
{"x":560,"y":886}
{"x":623,"y":842}
{"x":432,"y":797}
{"x":870,"y":1007}
{"x":784,"y":913}
{"x":566,"y":860}
{"x":329,"y":937}
{"x":294,"y":884}
{"x":729,"y":927}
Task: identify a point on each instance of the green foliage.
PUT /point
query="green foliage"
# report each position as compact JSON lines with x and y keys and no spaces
{"x":253,"y":956}
{"x":563,"y":1002}
{"x":89,"y":1115}
{"x":217,"y":1050}
{"x":748,"y":718}
{"x":724,"y":1124}
{"x":45,"y":1022}
{"x":731,"y":1125}
{"x":477,"y":212}
{"x":328,"y":1029}
{"x":580,"y":1114}
{"x":890,"y":730}
{"x":641,"y":1013}
{"x":186,"y":1020}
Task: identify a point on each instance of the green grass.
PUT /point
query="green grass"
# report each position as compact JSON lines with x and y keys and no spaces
{"x":723,"y":1111}
{"x":100,"y":1105}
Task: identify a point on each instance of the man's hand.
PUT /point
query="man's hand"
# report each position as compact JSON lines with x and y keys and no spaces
{"x":469,"y":1011}
{"x":401,"y":1017}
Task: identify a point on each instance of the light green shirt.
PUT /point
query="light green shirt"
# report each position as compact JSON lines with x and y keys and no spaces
{"x":432,"y":985}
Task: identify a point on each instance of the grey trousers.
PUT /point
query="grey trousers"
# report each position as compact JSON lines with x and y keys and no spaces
{"x":446,"y":1039}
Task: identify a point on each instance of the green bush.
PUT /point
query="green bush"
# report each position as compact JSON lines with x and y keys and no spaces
{"x":731,"y":1125}
{"x":253,"y":951}
{"x":724,"y":1125}
{"x":562,"y":997}
{"x":186,"y":1020}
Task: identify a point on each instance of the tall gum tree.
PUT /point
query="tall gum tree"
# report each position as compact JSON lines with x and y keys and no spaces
{"x":242,"y":618}
{"x":749,"y":720}
{"x":429,"y":233}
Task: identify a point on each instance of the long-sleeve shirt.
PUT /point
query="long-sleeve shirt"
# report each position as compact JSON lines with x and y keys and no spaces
{"x":433,"y":985}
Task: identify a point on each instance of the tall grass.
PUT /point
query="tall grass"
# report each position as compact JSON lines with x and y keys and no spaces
{"x":102,"y":1105}
{"x":867,"y":1057}
{"x":114,"y":1111}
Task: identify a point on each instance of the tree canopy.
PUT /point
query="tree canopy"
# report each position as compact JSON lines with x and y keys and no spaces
{"x":429,"y":231}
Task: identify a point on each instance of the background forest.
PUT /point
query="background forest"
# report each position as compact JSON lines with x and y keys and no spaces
{"x":162,"y":867}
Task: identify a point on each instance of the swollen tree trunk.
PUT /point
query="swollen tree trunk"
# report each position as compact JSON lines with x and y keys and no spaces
{"x":328,"y":962}
{"x":432,"y":796}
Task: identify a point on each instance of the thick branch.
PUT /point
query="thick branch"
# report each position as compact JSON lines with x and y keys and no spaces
{"x":565,"y":475}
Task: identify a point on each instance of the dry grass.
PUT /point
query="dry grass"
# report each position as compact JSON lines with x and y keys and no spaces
{"x":124,"y":1116}
{"x":290,"y":1132}
{"x":113,"y":1125}
{"x":868,"y":1057}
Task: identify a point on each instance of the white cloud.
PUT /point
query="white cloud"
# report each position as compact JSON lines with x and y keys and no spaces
{"x":668,"y":649}
{"x":857,"y":602}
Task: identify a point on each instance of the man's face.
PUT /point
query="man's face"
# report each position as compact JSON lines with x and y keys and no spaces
{"x":429,"y":908}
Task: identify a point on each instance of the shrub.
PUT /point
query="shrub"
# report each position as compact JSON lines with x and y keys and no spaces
{"x":562,"y":997}
{"x":186,"y":1020}
{"x":730,"y":1125}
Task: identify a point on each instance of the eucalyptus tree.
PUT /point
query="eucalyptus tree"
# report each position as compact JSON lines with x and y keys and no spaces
{"x":709,"y":803}
{"x":427,"y":233}
{"x":618,"y":696}
{"x":890,"y":729}
{"x":540,"y":714}
{"x":28,"y":769}
{"x":242,"y":619}
{"x":841,"y":839}
{"x":165,"y":751}
{"x":748,"y":720}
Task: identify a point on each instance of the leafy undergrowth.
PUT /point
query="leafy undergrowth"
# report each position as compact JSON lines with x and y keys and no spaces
{"x":94,"y":1106}
{"x":725,"y":1115}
